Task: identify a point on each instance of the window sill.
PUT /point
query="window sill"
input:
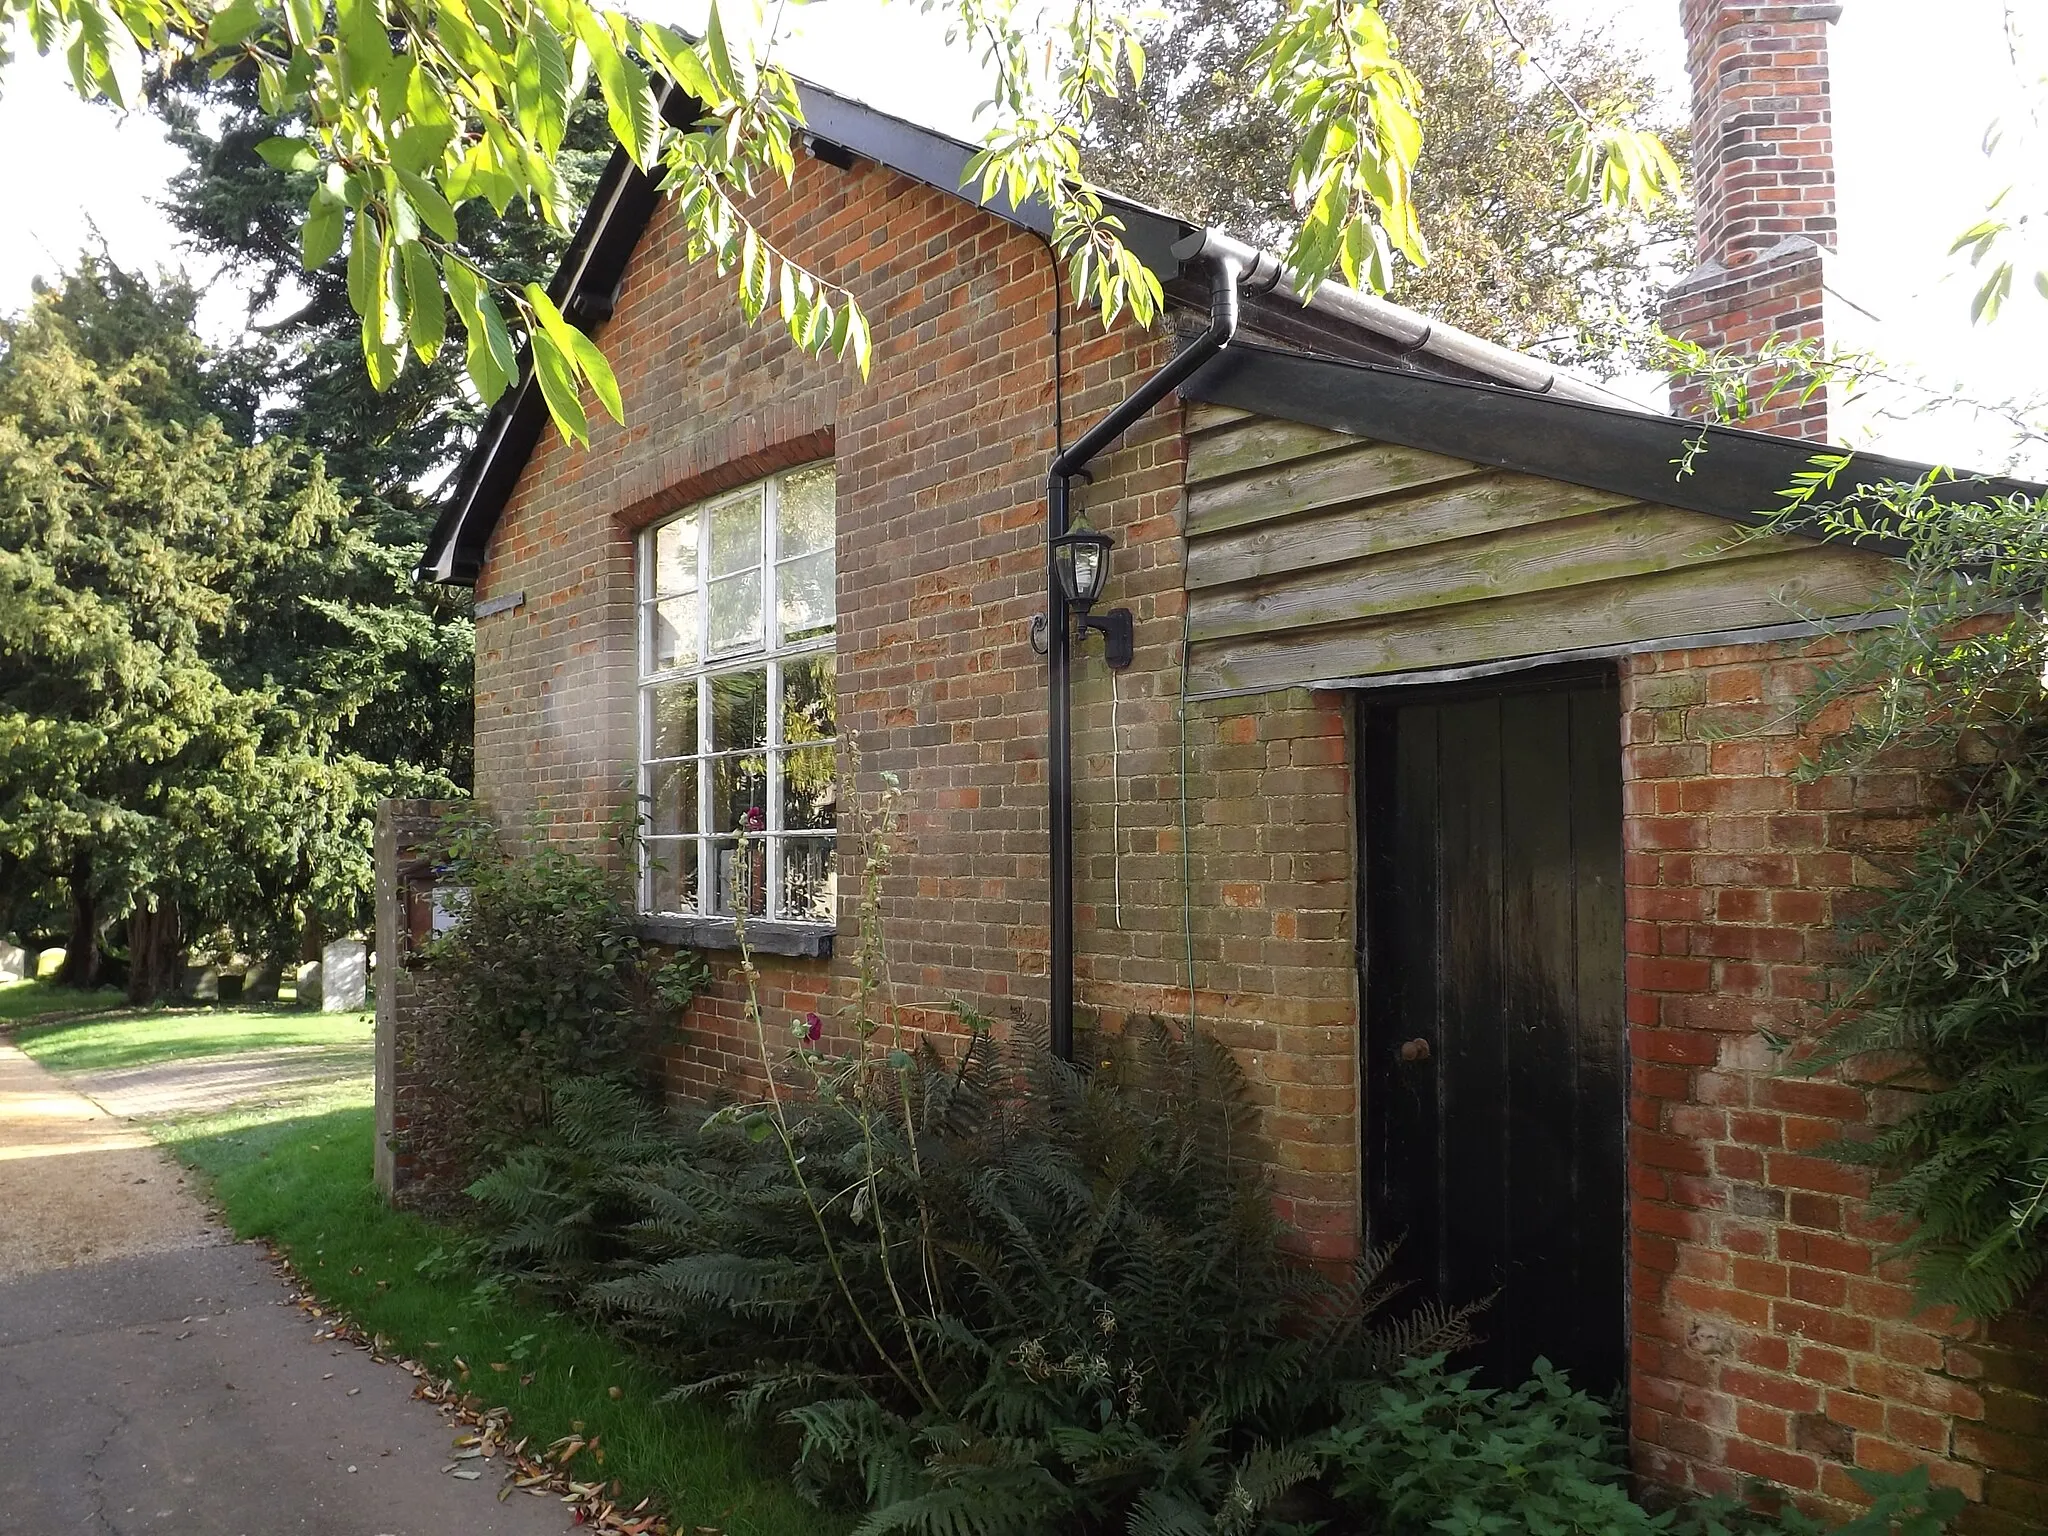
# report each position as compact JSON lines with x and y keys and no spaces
{"x":807,"y":940}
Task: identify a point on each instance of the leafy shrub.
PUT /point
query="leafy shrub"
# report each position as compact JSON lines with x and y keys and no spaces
{"x":546,"y":980}
{"x":1002,"y":1294}
{"x":1953,"y":985}
{"x":1429,"y":1451}
{"x":1950,"y":980}
{"x":997,"y":1293}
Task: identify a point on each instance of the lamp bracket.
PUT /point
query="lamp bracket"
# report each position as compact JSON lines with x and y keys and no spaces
{"x":1119,"y":647}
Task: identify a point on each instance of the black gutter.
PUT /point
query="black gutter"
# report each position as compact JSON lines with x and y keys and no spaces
{"x":1225,"y":273}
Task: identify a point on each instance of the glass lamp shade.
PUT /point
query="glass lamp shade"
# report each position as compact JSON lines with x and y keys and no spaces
{"x":1080,"y":558}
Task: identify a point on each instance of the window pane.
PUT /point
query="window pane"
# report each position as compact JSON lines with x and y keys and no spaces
{"x":739,"y":711}
{"x":675,"y":556}
{"x":736,"y":534}
{"x":671,"y":875}
{"x":805,"y":516}
{"x":736,"y":613}
{"x":810,"y":702}
{"x":739,"y":793}
{"x":742,"y":878}
{"x":804,"y":596}
{"x":810,"y":879}
{"x":672,"y":633}
{"x":672,"y":798}
{"x":810,"y":790}
{"x":672,"y":719}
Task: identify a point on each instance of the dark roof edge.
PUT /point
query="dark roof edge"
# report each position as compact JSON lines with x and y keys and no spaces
{"x":1732,"y":473}
{"x":624,"y":201}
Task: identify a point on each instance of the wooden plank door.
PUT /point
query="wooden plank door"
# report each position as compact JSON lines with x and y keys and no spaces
{"x":1494,"y":1040}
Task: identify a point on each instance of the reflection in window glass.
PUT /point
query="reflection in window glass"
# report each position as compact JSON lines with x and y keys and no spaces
{"x":810,"y":699}
{"x":806,"y":521}
{"x":672,"y":719}
{"x":671,"y":874}
{"x":735,"y":604}
{"x":805,"y":605}
{"x":737,"y":618}
{"x":810,"y":879}
{"x":675,"y":556}
{"x":672,"y":789}
{"x":672,"y":636}
{"x":810,"y":789}
{"x":739,"y":794}
{"x":736,"y":534}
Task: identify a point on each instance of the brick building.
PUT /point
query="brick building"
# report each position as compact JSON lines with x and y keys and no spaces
{"x":1449,"y":784}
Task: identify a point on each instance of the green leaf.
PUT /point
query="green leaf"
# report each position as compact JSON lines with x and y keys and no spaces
{"x":302,"y":19}
{"x":320,"y":237}
{"x":542,"y":70}
{"x":232,"y":24}
{"x":578,"y":350}
{"x":289,"y":154}
{"x":558,"y":388}
{"x":468,"y":296}
{"x":429,"y":204}
{"x":418,"y":147}
{"x":365,"y":45}
{"x":628,"y":98}
{"x":679,"y":61}
{"x":426,"y":319}
{"x":362,"y":267}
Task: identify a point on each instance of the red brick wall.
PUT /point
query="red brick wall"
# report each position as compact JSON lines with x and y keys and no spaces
{"x":941,"y":458}
{"x":1770,"y":1340}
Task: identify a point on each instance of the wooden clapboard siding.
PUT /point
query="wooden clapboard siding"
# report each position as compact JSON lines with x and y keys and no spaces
{"x":1313,"y":556}
{"x":1490,"y":503}
{"x":1703,"y":599}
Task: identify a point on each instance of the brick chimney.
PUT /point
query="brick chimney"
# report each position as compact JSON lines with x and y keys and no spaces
{"x":1763,"y":193}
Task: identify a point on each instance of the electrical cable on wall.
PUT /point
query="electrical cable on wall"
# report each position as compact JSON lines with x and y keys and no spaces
{"x":1187,"y":875}
{"x":1116,"y":806}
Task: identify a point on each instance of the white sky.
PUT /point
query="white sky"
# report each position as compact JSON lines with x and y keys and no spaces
{"x":1912,"y":101}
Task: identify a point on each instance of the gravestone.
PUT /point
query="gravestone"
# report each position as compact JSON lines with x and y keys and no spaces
{"x":200,"y":984}
{"x":50,"y":961}
{"x":306,"y":983}
{"x":13,"y":962}
{"x":344,"y":976}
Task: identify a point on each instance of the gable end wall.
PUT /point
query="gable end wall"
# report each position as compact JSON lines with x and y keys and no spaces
{"x":941,"y":458}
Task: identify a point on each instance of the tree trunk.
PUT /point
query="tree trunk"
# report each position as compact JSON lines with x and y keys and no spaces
{"x":156,"y":949}
{"x":81,"y":966}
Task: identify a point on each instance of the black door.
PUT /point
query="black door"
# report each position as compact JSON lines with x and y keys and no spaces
{"x":1495,"y":1049}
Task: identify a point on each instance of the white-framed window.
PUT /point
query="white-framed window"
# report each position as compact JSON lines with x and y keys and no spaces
{"x":738,"y":712}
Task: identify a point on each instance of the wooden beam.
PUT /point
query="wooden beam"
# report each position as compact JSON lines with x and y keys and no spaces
{"x":1485,"y":505}
{"x":1580,"y":551}
{"x":1730,"y":594}
{"x":1346,"y":478}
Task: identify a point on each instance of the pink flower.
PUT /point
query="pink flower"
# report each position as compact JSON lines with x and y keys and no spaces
{"x":753,"y":820}
{"x":814,"y":1027}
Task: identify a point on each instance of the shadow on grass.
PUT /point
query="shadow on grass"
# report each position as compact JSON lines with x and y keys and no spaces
{"x":305,"y":1184}
{"x":134,"y":1038}
{"x":22,"y":1001}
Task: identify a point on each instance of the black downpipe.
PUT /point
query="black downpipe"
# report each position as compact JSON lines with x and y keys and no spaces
{"x":1060,"y":748}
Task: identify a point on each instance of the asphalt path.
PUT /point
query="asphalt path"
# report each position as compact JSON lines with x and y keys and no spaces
{"x":157,"y":1377}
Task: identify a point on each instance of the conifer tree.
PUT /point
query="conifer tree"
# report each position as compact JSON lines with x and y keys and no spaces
{"x":185,"y":643}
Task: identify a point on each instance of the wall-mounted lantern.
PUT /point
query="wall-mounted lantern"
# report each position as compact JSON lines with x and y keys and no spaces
{"x":1080,"y":561}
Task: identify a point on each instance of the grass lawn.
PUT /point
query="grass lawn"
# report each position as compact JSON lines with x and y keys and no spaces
{"x":298,"y":1174}
{"x":23,"y":1000}
{"x":134,"y":1038}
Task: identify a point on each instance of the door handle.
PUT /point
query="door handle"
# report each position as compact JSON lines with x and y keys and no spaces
{"x":1414,"y":1050}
